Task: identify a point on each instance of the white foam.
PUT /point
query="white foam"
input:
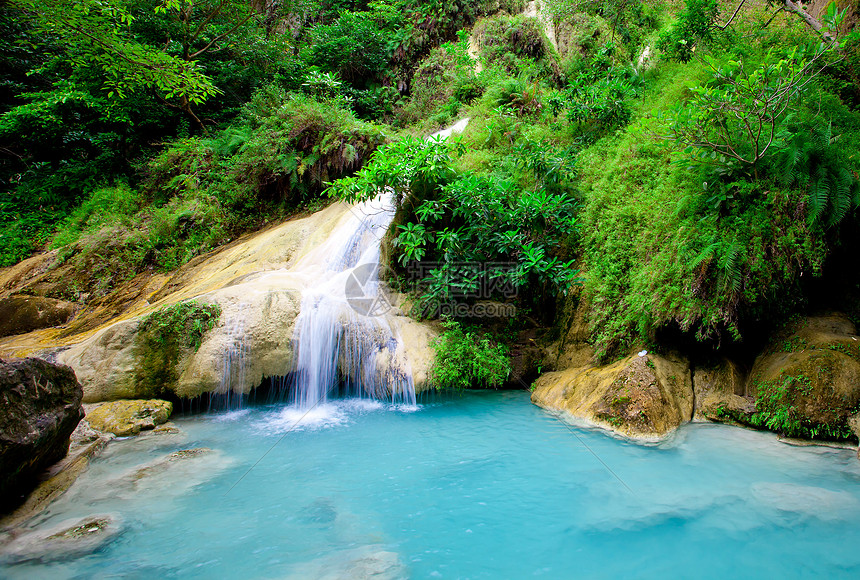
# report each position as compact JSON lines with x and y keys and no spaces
{"x":230,"y":416}
{"x":293,"y":418}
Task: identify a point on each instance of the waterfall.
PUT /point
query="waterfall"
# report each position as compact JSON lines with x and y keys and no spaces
{"x":344,"y":341}
{"x":233,"y":365}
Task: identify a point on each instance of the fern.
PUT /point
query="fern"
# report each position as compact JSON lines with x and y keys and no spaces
{"x":810,"y":161}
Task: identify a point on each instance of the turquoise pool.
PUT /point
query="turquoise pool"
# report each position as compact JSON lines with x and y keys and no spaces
{"x":480,"y":486}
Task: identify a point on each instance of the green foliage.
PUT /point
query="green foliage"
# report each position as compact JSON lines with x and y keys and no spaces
{"x":597,"y":102}
{"x":164,"y":336}
{"x":733,"y":120}
{"x":353,"y":46}
{"x":107,"y":206}
{"x":466,"y":361}
{"x":516,"y":45}
{"x":412,"y":169}
{"x":475,"y":221}
{"x":810,"y":159}
{"x":183,"y":323}
{"x":694,"y":25}
{"x":446,"y":78}
{"x":283,"y":151}
{"x":779,"y":407}
{"x":462,"y":223}
{"x":657,"y":253}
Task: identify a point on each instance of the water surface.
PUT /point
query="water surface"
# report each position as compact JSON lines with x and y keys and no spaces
{"x":479,"y":486}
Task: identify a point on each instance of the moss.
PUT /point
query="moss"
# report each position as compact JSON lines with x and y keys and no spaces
{"x":804,"y":403}
{"x":81,"y":531}
{"x":164,"y":337}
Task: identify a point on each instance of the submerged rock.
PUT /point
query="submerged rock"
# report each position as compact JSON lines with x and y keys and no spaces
{"x":361,"y":563}
{"x":639,"y":396}
{"x":40,"y":406}
{"x":129,"y":417}
{"x":69,"y":539}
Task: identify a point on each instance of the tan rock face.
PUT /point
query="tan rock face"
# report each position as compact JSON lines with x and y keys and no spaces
{"x":646,"y":396}
{"x":20,"y":314}
{"x":129,"y":417}
{"x":720,"y":385}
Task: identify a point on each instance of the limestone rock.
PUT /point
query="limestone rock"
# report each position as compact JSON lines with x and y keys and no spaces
{"x":69,"y":539}
{"x":41,"y":406}
{"x":725,"y":407}
{"x":640,"y":396}
{"x":813,"y":375}
{"x":20,"y":314}
{"x":573,"y":350}
{"x":129,"y":417}
{"x":719,"y":383}
{"x":258,"y":283}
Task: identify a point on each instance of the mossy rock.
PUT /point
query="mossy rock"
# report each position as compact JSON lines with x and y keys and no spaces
{"x":720,"y":389}
{"x":807,"y":383}
{"x":639,"y":396}
{"x":129,"y":417}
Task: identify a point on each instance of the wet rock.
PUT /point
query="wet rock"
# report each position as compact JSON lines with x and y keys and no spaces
{"x":166,"y":429}
{"x":164,"y":464}
{"x":40,"y":406}
{"x":639,"y":396}
{"x":187,"y":453}
{"x":725,"y":407}
{"x":129,"y":417}
{"x":20,"y":314}
{"x":69,"y":539}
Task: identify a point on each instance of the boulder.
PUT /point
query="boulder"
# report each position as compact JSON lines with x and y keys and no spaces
{"x":20,"y":314}
{"x":40,"y":406}
{"x":129,"y":417}
{"x":639,"y":396}
{"x":807,"y":382}
{"x":725,"y":408}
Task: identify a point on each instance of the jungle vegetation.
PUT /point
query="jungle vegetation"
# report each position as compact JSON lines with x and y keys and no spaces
{"x":681,"y":164}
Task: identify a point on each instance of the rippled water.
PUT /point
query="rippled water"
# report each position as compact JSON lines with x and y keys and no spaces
{"x":481,"y":486}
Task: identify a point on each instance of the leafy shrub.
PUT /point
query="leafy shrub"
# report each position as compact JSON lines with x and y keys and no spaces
{"x":461,"y":224}
{"x":657,"y":254}
{"x":353,"y":46}
{"x":516,"y":45}
{"x":446,"y":76}
{"x":466,"y":361}
{"x":597,"y":104}
{"x":184,"y":323}
{"x":695,"y":24}
{"x":106,"y":206}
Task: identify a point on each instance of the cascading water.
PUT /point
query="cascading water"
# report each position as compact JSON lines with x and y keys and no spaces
{"x":233,"y":364}
{"x":345,"y":343}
